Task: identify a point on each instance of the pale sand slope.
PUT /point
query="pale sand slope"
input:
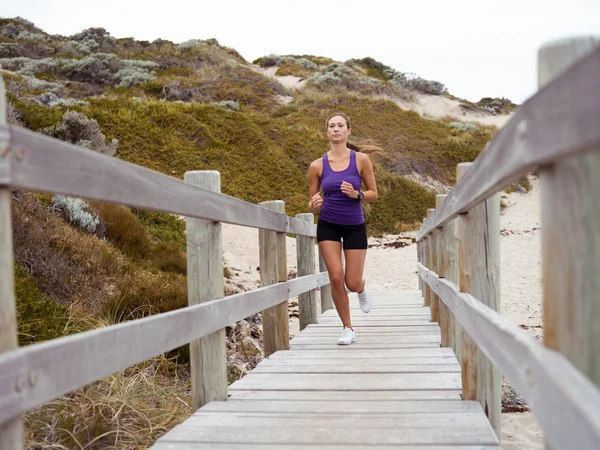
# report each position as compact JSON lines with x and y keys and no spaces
{"x":440,"y":106}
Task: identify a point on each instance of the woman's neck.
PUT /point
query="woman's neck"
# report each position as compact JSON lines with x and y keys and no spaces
{"x":338,"y":149}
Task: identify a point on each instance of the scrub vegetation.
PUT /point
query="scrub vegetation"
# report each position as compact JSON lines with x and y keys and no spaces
{"x":174,"y":107}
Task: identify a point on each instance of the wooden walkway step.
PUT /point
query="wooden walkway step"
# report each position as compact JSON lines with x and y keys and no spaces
{"x":393,"y":388}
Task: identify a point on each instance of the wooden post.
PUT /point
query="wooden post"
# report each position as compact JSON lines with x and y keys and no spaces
{"x":276,"y":327}
{"x":479,"y":268}
{"x":326,"y":298}
{"x":11,"y":432}
{"x":427,"y":263}
{"x":305,"y":252}
{"x":420,"y":259}
{"x":208,"y":355}
{"x":570,"y":222}
{"x":442,"y":267}
{"x":432,"y":261}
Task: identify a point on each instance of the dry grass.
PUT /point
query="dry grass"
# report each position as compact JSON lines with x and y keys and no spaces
{"x":129,"y":409}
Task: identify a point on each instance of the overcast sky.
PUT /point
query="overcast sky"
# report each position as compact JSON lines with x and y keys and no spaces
{"x":477,"y":48}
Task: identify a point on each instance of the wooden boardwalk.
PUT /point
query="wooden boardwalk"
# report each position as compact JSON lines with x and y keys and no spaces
{"x":394,"y":387}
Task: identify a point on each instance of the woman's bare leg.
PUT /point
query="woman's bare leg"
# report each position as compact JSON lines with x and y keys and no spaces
{"x":332,"y":255}
{"x":355,"y":264}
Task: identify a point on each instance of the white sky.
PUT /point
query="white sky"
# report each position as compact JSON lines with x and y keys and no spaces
{"x":477,"y":48}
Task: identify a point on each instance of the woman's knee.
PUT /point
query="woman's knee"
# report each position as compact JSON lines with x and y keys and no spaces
{"x":353,"y":285}
{"x":337,"y":279}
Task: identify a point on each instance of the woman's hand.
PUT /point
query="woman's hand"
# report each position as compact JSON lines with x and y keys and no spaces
{"x":349,"y":190}
{"x":315,"y":203}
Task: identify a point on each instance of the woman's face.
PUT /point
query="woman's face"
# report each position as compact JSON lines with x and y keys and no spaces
{"x":337,"y":130}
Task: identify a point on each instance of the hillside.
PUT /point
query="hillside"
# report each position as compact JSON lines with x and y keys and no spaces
{"x":196,"y":105}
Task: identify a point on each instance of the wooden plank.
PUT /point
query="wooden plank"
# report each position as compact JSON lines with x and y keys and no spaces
{"x":55,"y":166}
{"x":366,"y":407}
{"x":208,"y":356}
{"x":451,"y":252}
{"x":327,"y":435}
{"x":571,"y":237}
{"x":276,"y":328}
{"x":341,"y":350}
{"x":374,"y":324}
{"x":390,"y":307}
{"x":442,"y":265}
{"x":350,"y":420}
{"x":426,"y":327}
{"x":429,"y":260}
{"x":11,"y":433}
{"x":355,"y":396}
{"x":374,"y":331}
{"x":370,"y":339}
{"x":348,"y":382}
{"x":57,"y":366}
{"x":544,"y":377}
{"x":559,"y":121}
{"x":445,"y":361}
{"x":369,"y":367}
{"x":160,"y":445}
{"x":305,"y":254}
{"x":479,"y":273}
{"x":391,"y":312}
{"x":356,"y":346}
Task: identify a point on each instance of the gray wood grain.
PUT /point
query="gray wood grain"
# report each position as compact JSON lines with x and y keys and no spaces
{"x":305,"y":254}
{"x":559,"y":121}
{"x":367,"y":367}
{"x":346,"y":382}
{"x":11,"y":433}
{"x":366,"y":407}
{"x":462,"y":421}
{"x":570,"y":219}
{"x":276,"y":329}
{"x":57,"y":365}
{"x":479,"y":275}
{"x":544,"y":377}
{"x":58,"y":167}
{"x":342,"y":351}
{"x":326,"y":435}
{"x":208,"y":356}
{"x":333,"y":361}
{"x":245,"y":446}
{"x":375,"y":331}
{"x":346,"y":395}
{"x":371,"y":339}
{"x":357,"y":346}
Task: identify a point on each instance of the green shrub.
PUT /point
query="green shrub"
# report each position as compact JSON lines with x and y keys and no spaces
{"x":39,"y":318}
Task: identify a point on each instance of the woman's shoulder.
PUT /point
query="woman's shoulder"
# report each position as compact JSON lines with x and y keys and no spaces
{"x":316,"y":166}
{"x":361,"y":156}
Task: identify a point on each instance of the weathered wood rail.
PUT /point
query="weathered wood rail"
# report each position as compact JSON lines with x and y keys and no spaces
{"x":557,"y":134}
{"x":393,"y":388}
{"x":33,"y":375}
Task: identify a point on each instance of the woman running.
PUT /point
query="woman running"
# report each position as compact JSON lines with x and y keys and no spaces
{"x":340,"y":173}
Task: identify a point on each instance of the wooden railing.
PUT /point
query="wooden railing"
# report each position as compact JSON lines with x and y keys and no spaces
{"x":557,"y":134}
{"x":33,"y":375}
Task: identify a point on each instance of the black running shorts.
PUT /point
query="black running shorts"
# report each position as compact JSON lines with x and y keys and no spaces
{"x":354,"y":237}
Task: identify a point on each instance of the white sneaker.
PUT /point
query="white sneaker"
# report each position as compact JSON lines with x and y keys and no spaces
{"x":365,"y":301}
{"x":348,"y":337}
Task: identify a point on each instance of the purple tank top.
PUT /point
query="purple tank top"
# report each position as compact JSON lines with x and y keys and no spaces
{"x":337,"y":207}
